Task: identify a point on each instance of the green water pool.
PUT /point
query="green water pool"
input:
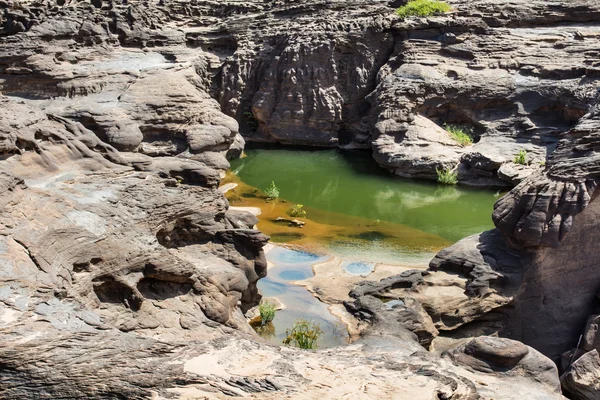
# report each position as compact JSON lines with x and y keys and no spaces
{"x":351,"y":183}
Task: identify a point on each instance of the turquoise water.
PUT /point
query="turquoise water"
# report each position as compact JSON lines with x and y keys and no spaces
{"x":291,"y":265}
{"x":351,"y":183}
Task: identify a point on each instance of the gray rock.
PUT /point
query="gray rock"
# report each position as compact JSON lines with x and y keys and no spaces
{"x":514,"y":173}
{"x":582,"y":380}
{"x":416,"y":152}
{"x":121,"y":276}
{"x":394,"y":317}
{"x":409,"y":280}
{"x":487,"y":262}
{"x":591,"y":335}
{"x":504,"y":356}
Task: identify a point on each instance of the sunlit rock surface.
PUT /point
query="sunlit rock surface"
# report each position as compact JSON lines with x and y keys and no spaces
{"x":124,"y":275}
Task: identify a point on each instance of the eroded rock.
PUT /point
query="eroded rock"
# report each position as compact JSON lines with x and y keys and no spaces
{"x":582,"y":380}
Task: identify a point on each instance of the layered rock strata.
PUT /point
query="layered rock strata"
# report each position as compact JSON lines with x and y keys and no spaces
{"x":123,"y":273}
{"x":518,"y":75}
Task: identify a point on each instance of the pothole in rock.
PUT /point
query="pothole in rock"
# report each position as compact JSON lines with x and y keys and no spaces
{"x":358,"y":268}
{"x":296,"y":302}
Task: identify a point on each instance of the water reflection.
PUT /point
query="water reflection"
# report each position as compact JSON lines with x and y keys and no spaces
{"x":291,"y":265}
{"x":351,"y":183}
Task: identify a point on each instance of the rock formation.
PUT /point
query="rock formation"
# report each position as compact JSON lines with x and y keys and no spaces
{"x":123,"y":274}
{"x":520,"y":75}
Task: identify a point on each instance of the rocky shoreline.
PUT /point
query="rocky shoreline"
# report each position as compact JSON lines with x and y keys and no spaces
{"x":123,"y":273}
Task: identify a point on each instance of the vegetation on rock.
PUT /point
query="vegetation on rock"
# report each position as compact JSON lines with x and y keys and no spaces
{"x":447,"y":176}
{"x":422,"y":8}
{"x":521,"y":157}
{"x":304,"y":334}
{"x":297,"y":211}
{"x":267,"y":312}
{"x":462,"y":135}
{"x":272,"y":191}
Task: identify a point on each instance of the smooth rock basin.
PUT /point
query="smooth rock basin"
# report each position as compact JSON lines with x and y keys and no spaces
{"x":358,"y":268}
{"x":293,"y":265}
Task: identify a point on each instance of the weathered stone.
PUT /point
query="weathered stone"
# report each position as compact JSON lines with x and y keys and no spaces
{"x":394,"y":316}
{"x":582,"y":380}
{"x":408,"y":280}
{"x":591,"y":334}
{"x":121,"y":277}
{"x":504,"y":356}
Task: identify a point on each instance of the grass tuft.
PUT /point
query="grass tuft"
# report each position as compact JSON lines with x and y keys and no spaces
{"x":447,"y":176}
{"x":267,"y":312}
{"x":272,"y":191}
{"x":303,"y":334}
{"x":521,"y":157}
{"x":422,"y":8}
{"x":297,"y":211}
{"x":463,"y":136}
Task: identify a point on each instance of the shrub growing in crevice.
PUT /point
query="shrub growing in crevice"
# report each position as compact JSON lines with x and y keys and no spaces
{"x":521,"y":157}
{"x":267,"y":312}
{"x":422,"y":8}
{"x":463,"y":136}
{"x":447,"y":176}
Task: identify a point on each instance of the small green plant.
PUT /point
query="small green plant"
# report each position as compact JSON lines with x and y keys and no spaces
{"x":542,"y":163}
{"x":298,"y":211}
{"x":251,"y":121}
{"x":463,"y":136}
{"x":521,"y":157}
{"x":422,"y":8}
{"x":447,"y":176}
{"x":272,"y":191}
{"x":303,"y":334}
{"x":267,"y":312}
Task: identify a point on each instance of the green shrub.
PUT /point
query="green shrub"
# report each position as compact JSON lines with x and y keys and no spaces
{"x":521,"y":157}
{"x":272,"y":191}
{"x":447,"y":176}
{"x":267,"y":312}
{"x":297,"y":210}
{"x":303,"y":334}
{"x":422,"y":8}
{"x":463,"y":136}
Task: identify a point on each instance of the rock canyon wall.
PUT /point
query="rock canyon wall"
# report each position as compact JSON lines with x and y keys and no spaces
{"x":124,"y":274}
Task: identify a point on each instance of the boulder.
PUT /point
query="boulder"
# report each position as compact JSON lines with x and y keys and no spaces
{"x":582,"y":380}
{"x":495,"y":355}
{"x":394,"y":316}
{"x":418,"y":151}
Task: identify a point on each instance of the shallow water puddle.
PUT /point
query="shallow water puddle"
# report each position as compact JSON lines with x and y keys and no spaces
{"x":292,"y":265}
{"x":358,"y":268}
